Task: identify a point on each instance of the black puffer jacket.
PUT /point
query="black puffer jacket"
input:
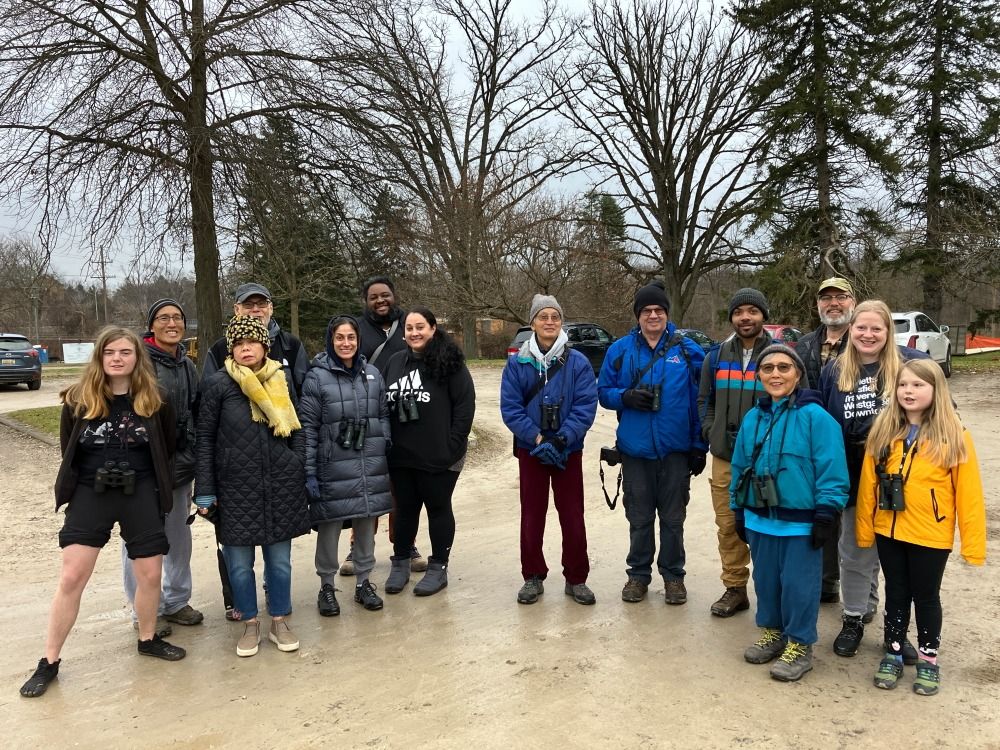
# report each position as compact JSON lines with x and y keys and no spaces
{"x":258,"y":478}
{"x":353,"y":483}
{"x":178,"y":376}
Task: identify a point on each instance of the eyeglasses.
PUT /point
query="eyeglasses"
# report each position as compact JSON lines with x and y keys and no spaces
{"x":548,"y":318}
{"x":256,"y":305}
{"x":782,"y":367}
{"x":826,"y":298}
{"x":647,"y":312}
{"x":164,"y":319}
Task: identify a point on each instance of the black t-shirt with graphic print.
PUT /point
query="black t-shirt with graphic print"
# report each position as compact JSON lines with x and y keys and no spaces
{"x":119,"y":437}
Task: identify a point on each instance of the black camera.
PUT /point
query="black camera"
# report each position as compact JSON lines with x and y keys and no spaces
{"x":550,"y":417}
{"x":115,"y":475}
{"x":657,"y":392}
{"x":345,"y":438}
{"x":766,"y":490}
{"x":406,"y":408}
{"x":611,"y":456}
{"x":890,"y":492}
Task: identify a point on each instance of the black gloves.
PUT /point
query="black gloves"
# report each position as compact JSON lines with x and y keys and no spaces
{"x":824,"y":524}
{"x":638,"y":398}
{"x":696,"y":462}
{"x":741,"y":524}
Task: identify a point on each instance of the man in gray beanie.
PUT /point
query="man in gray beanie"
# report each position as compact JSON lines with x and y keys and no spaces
{"x":729,"y":389}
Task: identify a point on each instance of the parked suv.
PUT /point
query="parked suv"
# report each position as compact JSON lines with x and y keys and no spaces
{"x":917,"y":331}
{"x":588,"y":338}
{"x":19,"y":362}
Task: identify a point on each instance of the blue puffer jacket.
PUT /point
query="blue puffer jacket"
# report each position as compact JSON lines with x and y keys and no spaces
{"x":573,"y":387}
{"x":803,"y":451}
{"x":676,"y":427}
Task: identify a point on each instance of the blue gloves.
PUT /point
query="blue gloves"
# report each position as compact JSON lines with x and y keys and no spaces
{"x":204,"y":502}
{"x":312,"y":489}
{"x":548,"y":453}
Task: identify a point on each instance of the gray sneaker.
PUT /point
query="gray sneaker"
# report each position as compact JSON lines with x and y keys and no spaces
{"x":530,"y":591}
{"x":767,"y":648}
{"x":795,"y":661}
{"x":581,"y":593}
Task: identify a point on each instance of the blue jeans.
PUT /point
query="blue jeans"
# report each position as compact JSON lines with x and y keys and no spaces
{"x":277,"y":577}
{"x":787,"y":576}
{"x":656,"y":487}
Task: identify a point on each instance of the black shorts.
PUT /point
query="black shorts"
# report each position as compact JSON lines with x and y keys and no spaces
{"x":90,"y":517}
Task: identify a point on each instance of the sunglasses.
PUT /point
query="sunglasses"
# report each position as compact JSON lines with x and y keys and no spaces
{"x":782,"y":367}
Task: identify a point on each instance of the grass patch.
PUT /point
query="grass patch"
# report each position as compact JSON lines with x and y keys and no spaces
{"x":973,"y":363}
{"x":58,"y":370}
{"x":44,"y":420}
{"x":495,"y":363}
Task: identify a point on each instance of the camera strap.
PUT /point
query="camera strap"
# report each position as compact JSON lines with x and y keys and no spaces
{"x":540,"y":384}
{"x":611,"y":503}
{"x":661,"y":352}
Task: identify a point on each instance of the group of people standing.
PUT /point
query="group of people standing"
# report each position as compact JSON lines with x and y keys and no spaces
{"x":270,"y":446}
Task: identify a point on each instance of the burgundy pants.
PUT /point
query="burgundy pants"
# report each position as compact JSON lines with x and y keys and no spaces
{"x":567,"y":489}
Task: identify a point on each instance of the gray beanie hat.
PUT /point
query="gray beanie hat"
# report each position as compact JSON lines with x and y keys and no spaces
{"x":748,"y":296}
{"x":159,"y":305}
{"x":539,"y":302}
{"x":781,"y":349}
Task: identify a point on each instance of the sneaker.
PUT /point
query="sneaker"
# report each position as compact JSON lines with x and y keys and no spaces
{"x":163,"y":628}
{"x":282,"y":636}
{"x":249,"y":642}
{"x":910,"y":655}
{"x":327,"y":601}
{"x":767,"y":648}
{"x":39,"y":682}
{"x":364,"y":594}
{"x":581,"y":593}
{"x":418,"y":563}
{"x":732,"y":601}
{"x":928,"y":678}
{"x":159,"y":648}
{"x":531,"y":590}
{"x":674,"y":592}
{"x":347,"y":567}
{"x":849,"y":639}
{"x":890,"y":670}
{"x":794,"y":662}
{"x":186,"y":615}
{"x":231,"y":613}
{"x":634,"y":590}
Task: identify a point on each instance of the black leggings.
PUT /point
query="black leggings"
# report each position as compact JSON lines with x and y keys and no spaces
{"x":414,"y":489}
{"x":912,"y":573}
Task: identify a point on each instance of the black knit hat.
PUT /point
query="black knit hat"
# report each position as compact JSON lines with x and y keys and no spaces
{"x":781,"y":349}
{"x":748,"y":296}
{"x":246,"y":327}
{"x":651,"y":294}
{"x":155,"y":308}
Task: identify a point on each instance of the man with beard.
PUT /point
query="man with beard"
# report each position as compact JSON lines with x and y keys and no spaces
{"x":729,"y":389}
{"x":835,"y":304}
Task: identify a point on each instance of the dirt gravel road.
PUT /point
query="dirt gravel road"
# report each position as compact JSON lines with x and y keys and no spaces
{"x":470,"y":667}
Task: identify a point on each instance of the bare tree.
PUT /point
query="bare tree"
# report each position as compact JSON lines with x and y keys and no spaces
{"x":25,"y":283}
{"x":666,"y":96}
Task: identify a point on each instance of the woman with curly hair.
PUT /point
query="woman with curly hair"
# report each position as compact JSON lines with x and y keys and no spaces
{"x":117,"y":435}
{"x":431,"y":405}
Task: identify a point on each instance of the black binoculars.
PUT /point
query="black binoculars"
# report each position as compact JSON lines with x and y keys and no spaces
{"x":890,"y":496}
{"x":406,"y":408}
{"x":766,"y":490}
{"x":550,"y":417}
{"x":352,"y":434}
{"x":657,"y":392}
{"x":116,"y":475}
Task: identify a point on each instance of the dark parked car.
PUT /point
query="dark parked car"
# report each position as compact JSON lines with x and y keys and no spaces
{"x":701,"y":338}
{"x":19,"y":362}
{"x":783,"y":334}
{"x":588,"y":338}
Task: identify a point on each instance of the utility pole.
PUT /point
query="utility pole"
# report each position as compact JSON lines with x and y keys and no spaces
{"x":102,"y":263}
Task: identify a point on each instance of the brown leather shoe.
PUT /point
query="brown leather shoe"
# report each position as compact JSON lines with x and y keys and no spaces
{"x":674,"y":592}
{"x":634,"y":591}
{"x":732,"y":601}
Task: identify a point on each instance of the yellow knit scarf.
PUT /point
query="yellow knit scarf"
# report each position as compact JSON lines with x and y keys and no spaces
{"x":267,"y":390}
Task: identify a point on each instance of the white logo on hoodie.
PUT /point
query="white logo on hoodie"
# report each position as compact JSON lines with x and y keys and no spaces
{"x":409,"y":383}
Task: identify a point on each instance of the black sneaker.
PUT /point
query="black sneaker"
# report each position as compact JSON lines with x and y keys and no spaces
{"x":159,"y":648}
{"x":39,"y":682}
{"x":327,"y":601}
{"x":909,"y":651}
{"x":364,"y":594}
{"x":849,"y":639}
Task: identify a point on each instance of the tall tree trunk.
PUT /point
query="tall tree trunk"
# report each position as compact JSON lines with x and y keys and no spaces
{"x":932,"y":258}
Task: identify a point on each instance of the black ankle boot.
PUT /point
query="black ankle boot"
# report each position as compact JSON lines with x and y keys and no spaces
{"x":851,"y":633}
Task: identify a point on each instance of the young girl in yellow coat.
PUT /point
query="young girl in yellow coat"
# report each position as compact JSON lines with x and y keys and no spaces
{"x":919,"y":479}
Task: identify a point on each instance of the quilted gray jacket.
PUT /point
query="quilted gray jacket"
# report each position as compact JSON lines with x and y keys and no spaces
{"x":258,"y":478}
{"x":353,"y":483}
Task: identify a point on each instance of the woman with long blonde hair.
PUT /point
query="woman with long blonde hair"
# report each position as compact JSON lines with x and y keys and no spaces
{"x":855,"y":387}
{"x":117,"y":438}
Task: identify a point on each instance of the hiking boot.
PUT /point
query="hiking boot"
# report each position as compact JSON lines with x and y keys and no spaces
{"x":531,"y":590}
{"x":435,"y":579}
{"x":767,"y":648}
{"x":249,"y":642}
{"x":581,"y":593}
{"x":163,"y":628}
{"x":890,"y":669}
{"x":186,"y":615}
{"x":418,"y":563}
{"x":634,"y":590}
{"x":347,"y":567}
{"x":399,"y":575}
{"x":849,"y":639}
{"x":928,"y":678}
{"x":43,"y":676}
{"x":282,"y":636}
{"x":326,"y":601}
{"x":732,"y":601}
{"x":870,"y":613}
{"x":364,"y":594}
{"x":674,"y":592}
{"x":794,"y":662}
{"x":159,"y":648}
